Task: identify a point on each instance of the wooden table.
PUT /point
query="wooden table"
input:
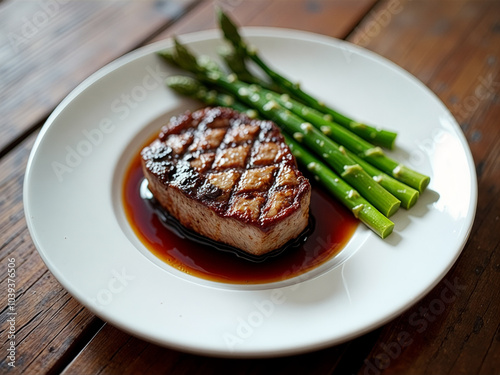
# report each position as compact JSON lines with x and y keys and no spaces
{"x":453,"y":46}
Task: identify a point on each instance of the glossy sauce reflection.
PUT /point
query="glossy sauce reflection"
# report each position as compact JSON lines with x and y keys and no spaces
{"x":333,"y":229}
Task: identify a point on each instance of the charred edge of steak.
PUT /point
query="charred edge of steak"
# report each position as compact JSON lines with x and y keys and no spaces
{"x":239,"y":167}
{"x":183,"y":232}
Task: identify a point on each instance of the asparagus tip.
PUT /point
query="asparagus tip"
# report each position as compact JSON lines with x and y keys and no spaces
{"x":228,"y":27}
{"x":183,"y":84}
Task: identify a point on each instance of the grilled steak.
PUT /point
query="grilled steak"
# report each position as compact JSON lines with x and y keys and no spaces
{"x":229,"y":178}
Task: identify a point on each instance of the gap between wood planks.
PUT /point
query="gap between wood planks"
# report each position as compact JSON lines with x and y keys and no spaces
{"x":89,"y":332}
{"x":368,"y":14}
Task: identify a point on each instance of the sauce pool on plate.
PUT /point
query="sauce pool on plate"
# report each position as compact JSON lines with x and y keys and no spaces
{"x":334,"y":226}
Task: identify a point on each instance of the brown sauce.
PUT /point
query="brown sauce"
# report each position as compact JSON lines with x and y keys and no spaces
{"x":334,"y":226}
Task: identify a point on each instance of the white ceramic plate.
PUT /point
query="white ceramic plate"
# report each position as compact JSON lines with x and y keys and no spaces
{"x":72,"y":202}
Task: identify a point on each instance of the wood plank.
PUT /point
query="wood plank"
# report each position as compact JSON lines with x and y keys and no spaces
{"x":47,"y":48}
{"x":454,"y":48}
{"x":335,"y":18}
{"x":133,"y":356}
{"x":49,"y":323}
{"x":51,"y":327}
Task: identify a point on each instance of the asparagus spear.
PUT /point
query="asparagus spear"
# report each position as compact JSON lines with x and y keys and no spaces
{"x":406,"y":194}
{"x":193,"y":88}
{"x":382,"y":138}
{"x":357,"y":145}
{"x":360,"y":207}
{"x":236,"y":63}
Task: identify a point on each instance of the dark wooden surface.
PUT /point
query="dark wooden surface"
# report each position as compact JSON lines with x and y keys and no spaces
{"x":453,"y":46}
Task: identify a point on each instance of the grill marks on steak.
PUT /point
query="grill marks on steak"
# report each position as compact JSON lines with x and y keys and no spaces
{"x":239,"y":168}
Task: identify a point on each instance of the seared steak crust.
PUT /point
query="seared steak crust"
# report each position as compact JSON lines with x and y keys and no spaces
{"x":229,"y":178}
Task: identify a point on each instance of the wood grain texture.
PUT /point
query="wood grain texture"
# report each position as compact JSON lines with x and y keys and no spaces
{"x":335,"y":18}
{"x":133,"y":356}
{"x":454,"y":48}
{"x":47,"y":48}
{"x":49,"y":323}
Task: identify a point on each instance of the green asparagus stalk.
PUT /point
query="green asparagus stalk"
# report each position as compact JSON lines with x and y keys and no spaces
{"x":236,"y":63}
{"x":193,"y":88}
{"x":350,"y":171}
{"x":180,"y":57}
{"x":379,"y":137}
{"x":357,"y":145}
{"x":406,"y":194}
{"x":360,"y":207}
